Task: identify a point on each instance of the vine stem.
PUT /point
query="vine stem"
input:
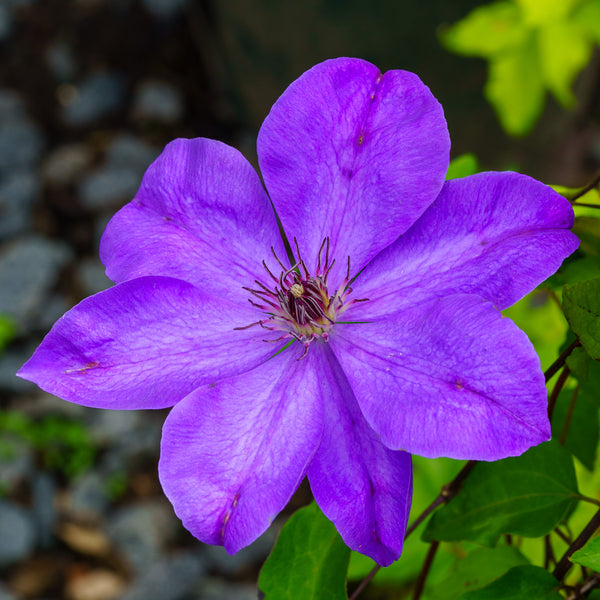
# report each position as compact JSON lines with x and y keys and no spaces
{"x":446,"y":494}
{"x":582,"y":591}
{"x":586,"y":188}
{"x":560,"y":361}
{"x":564,"y":564}
{"x":558,"y":386}
{"x":420,"y":584}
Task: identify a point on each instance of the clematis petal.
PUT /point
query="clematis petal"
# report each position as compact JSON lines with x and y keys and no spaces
{"x":353,"y":154}
{"x":362,"y":486}
{"x":201,"y":215}
{"x":233,"y":454}
{"x":497,"y":235}
{"x":144,"y":343}
{"x":450,"y":377}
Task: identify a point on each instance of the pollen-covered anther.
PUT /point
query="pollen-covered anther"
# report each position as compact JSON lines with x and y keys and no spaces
{"x":300,"y":305}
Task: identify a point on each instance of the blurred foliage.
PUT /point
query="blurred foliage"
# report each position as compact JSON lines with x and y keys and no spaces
{"x":8,"y":331}
{"x":532,"y":47}
{"x":64,"y":445}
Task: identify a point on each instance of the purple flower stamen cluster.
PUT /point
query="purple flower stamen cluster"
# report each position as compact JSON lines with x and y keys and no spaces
{"x":301,"y":306}
{"x":354,"y":164}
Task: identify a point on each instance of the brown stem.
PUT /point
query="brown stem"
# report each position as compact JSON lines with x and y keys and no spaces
{"x":365,"y":582}
{"x":586,"y":188}
{"x":446,"y":494}
{"x":564,"y":564}
{"x":558,"y":386}
{"x":565,"y":538}
{"x":568,"y":417}
{"x":560,"y":361}
{"x":420,"y":584}
{"x":593,"y":581}
{"x":548,"y":552}
{"x":586,"y":205}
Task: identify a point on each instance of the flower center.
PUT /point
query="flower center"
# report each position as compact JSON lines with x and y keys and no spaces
{"x":298,"y":303}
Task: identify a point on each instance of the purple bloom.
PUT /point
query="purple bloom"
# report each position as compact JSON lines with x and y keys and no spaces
{"x":381,"y":335}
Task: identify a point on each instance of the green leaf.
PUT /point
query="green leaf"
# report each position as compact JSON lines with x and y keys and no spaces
{"x":515,"y":87}
{"x":582,"y":427}
{"x":477,"y":569}
{"x":587,"y":372}
{"x":587,"y":16}
{"x":309,"y":560}
{"x":463,"y":166}
{"x":540,"y":317}
{"x":525,"y":582}
{"x":485,"y":31}
{"x":527,"y":495}
{"x":563,"y":54}
{"x":589,"y":555}
{"x":581,"y":303}
{"x":540,"y":12}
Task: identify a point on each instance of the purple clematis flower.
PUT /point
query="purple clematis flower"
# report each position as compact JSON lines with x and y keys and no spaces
{"x":377,"y":334}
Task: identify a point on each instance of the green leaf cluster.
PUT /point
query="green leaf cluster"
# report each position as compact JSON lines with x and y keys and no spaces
{"x":532,"y":47}
{"x":64,"y":445}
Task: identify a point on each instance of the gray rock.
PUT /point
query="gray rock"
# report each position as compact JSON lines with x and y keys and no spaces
{"x":11,"y":361}
{"x":16,"y":462}
{"x":60,"y":59}
{"x":115,"y":426}
{"x":20,"y":145}
{"x":11,"y":105}
{"x":43,"y":489}
{"x":217,"y":590}
{"x":128,"y":150}
{"x":91,"y":276}
{"x":88,"y":495}
{"x":29,"y":267}
{"x":66,"y":164}
{"x":6,"y":23}
{"x":97,"y":95}
{"x":172,"y":578}
{"x":141,"y":532}
{"x":158,"y":101}
{"x":53,"y":309}
{"x":109,"y":186}
{"x":17,"y":533}
{"x":5,"y":594}
{"x":18,"y":193}
{"x":249,"y":556}
{"x":164,"y":9}
{"x":100,"y":225}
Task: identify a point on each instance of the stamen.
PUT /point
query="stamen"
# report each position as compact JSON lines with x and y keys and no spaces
{"x":299,"y":304}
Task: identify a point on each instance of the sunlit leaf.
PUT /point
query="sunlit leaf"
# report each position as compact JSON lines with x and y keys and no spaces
{"x":527,"y":495}
{"x":589,"y":555}
{"x":581,"y":303}
{"x":563,"y":54}
{"x":309,"y":560}
{"x":486,"y":30}
{"x":463,"y":166}
{"x":540,"y":316}
{"x":587,"y":17}
{"x":539,"y":12}
{"x":477,"y":569}
{"x":525,"y":582}
{"x":515,"y":87}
